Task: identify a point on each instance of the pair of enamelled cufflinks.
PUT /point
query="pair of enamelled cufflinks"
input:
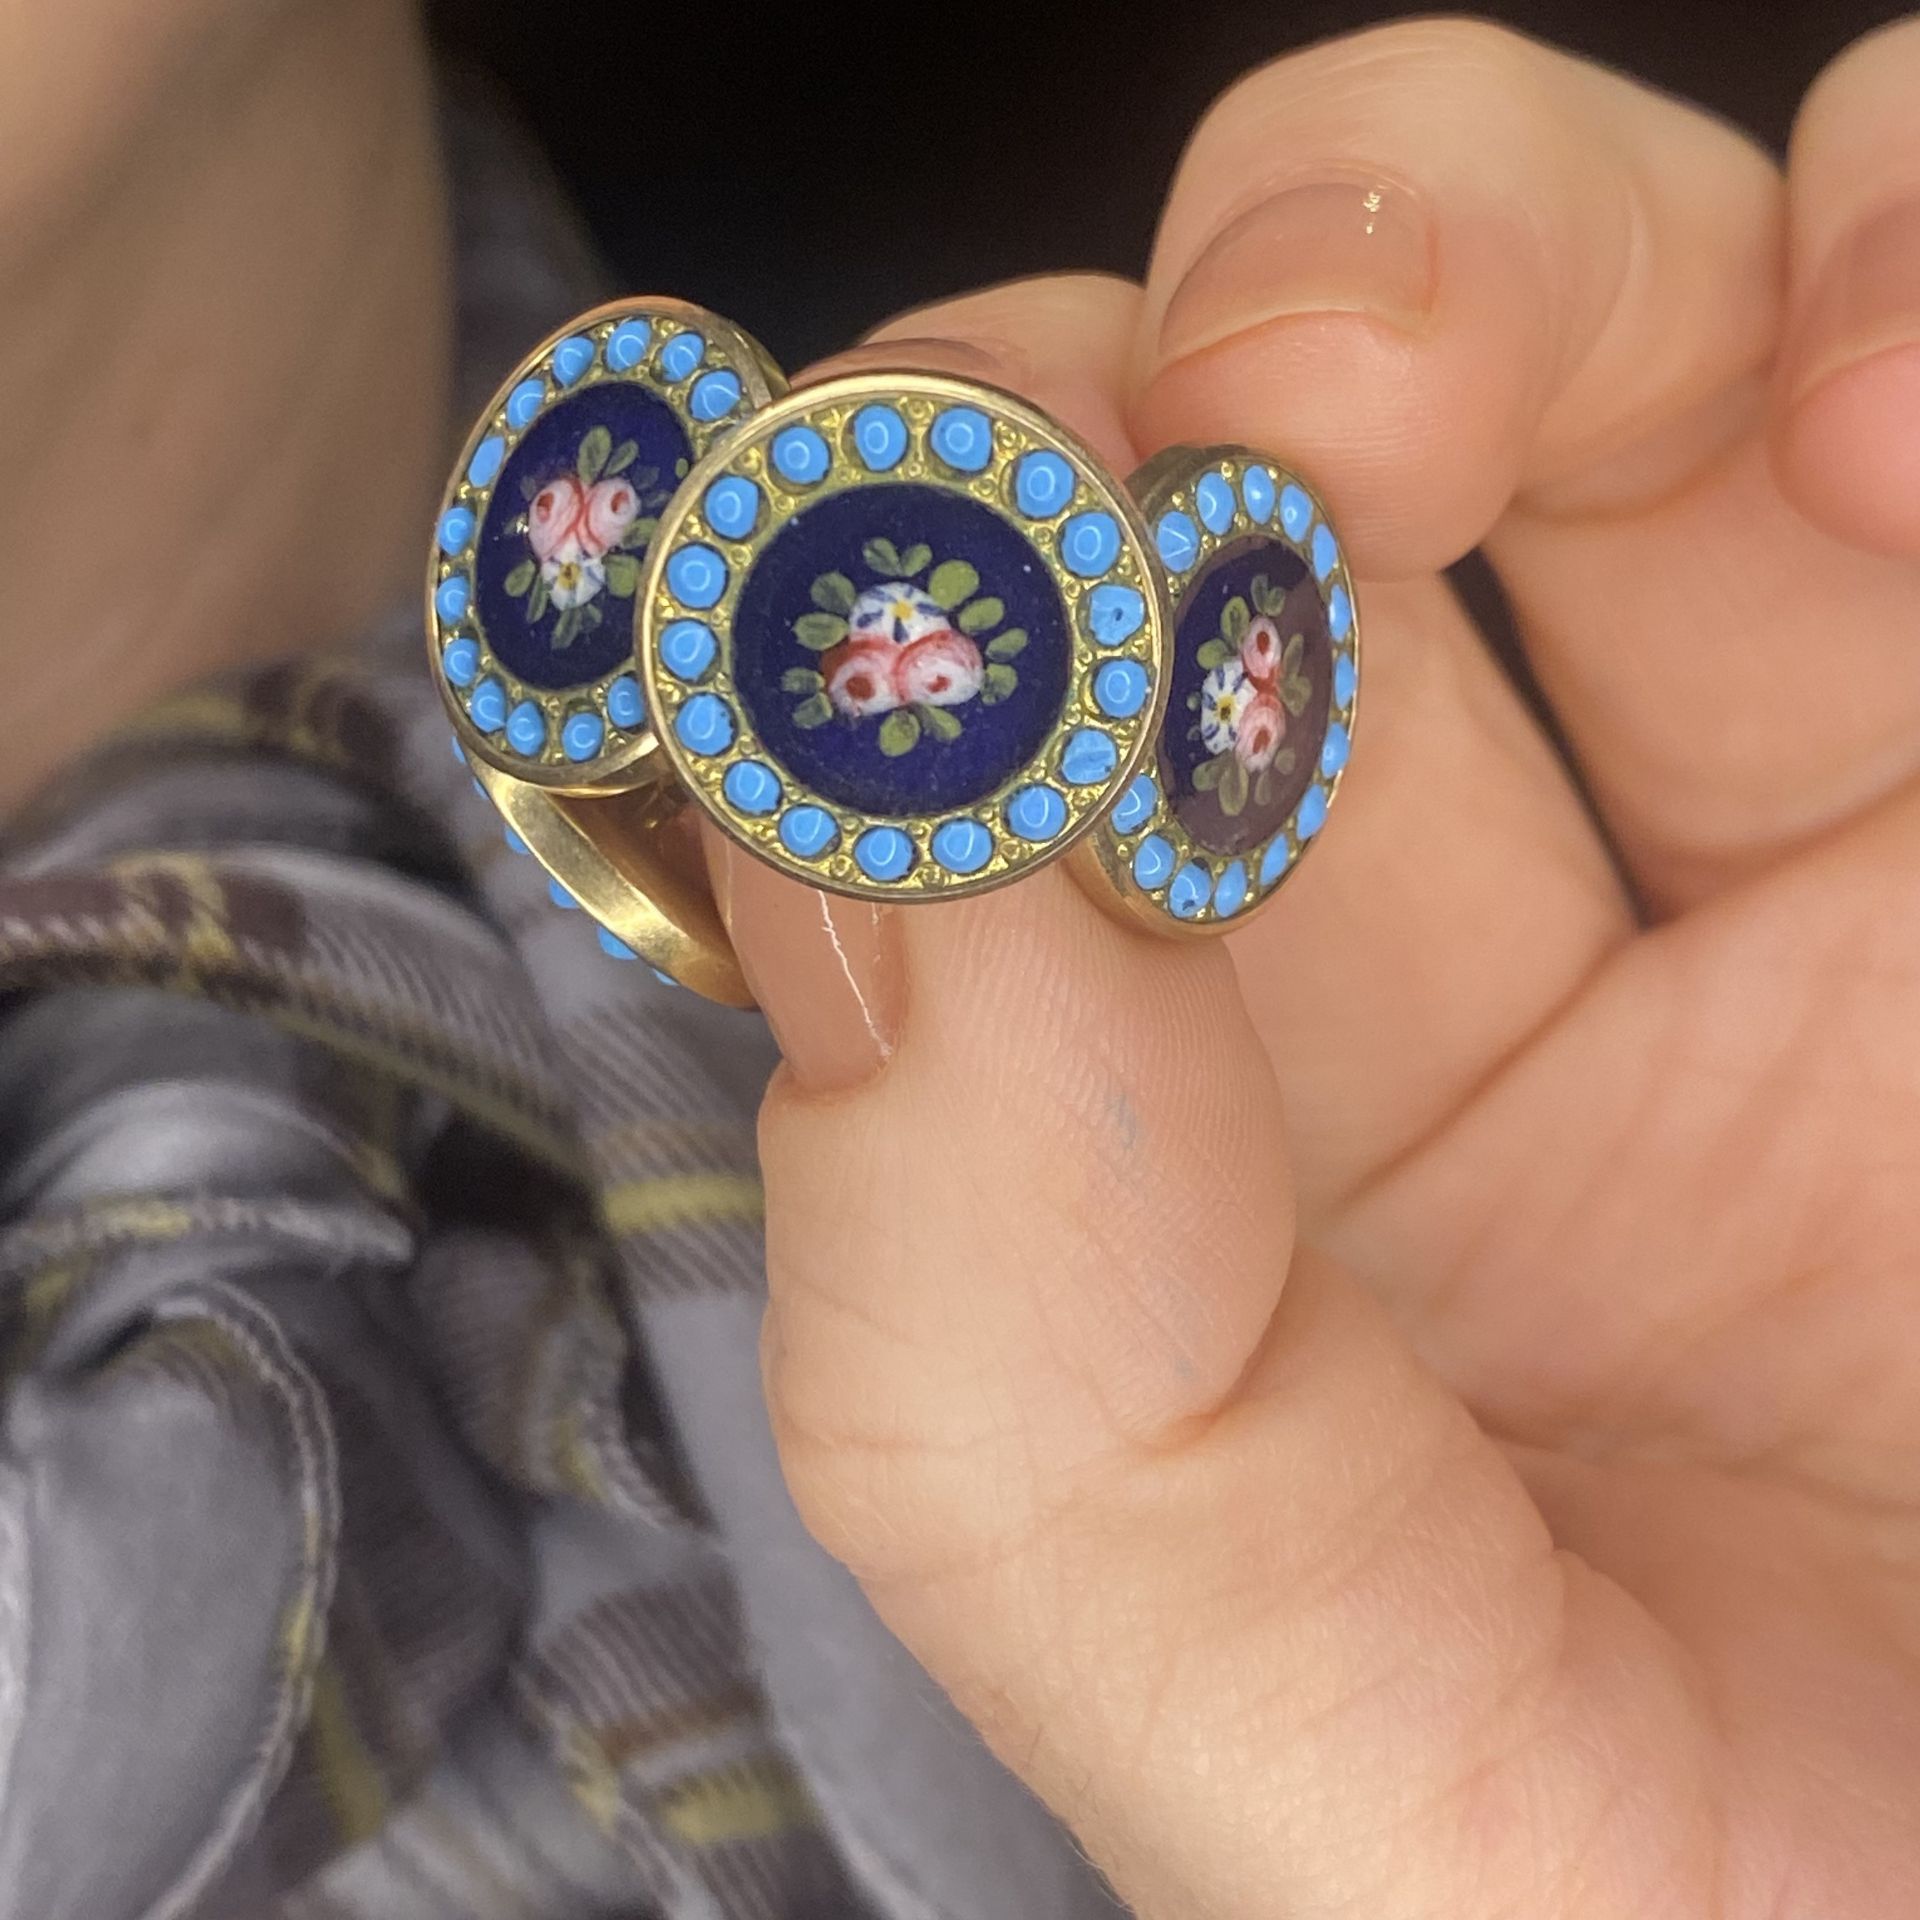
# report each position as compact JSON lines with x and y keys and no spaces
{"x":897,"y":634}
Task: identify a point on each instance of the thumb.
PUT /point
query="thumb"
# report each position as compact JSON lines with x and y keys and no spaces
{"x":1159,"y":1496}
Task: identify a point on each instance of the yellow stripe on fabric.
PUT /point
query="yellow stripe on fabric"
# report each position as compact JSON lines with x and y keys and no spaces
{"x":741,"y":1803}
{"x":682,"y":1200}
{"x":348,"y":1778}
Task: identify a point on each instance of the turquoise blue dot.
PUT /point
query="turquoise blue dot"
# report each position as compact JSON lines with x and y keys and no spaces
{"x":1178,"y":540}
{"x":1115,"y":613}
{"x":963,"y":846}
{"x":1136,"y":804}
{"x":1256,"y":489}
{"x":697,"y":576}
{"x":681,"y":355}
{"x":581,"y":736}
{"x":1339,"y":613}
{"x":627,"y":344}
{"x":808,"y":831}
{"x":1120,"y":689}
{"x":687,"y":648}
{"x":524,"y":402}
{"x":1042,"y":485}
{"x":705,"y":724}
{"x":1037,"y":812}
{"x":571,"y":358}
{"x":665,"y":979}
{"x":1334,"y":750}
{"x":514,"y":843}
{"x":625,"y":708}
{"x":488,"y":705}
{"x":461,"y":661}
{"x":1189,"y":892}
{"x":1296,"y":512}
{"x":1326,"y":550}
{"x":486,"y":460}
{"x":800,"y":455}
{"x":752,"y":786}
{"x":883,"y":853}
{"x":1273,"y":863}
{"x":1313,"y":813}
{"x":880,"y":438}
{"x":1346,"y":680}
{"x":714,"y":395}
{"x":613,"y":946}
{"x":456,"y":529}
{"x":1090,"y":543}
{"x":732,"y":507}
{"x":454,"y":597}
{"x":1088,"y":758}
{"x":1152,"y":863}
{"x":526,"y":729}
{"x":963,"y":438}
{"x":561,"y":897}
{"x":1230,"y":890}
{"x":459,"y":752}
{"x":1214,"y":498}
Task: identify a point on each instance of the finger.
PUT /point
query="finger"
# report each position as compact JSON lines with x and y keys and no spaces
{"x":1371,"y":982}
{"x":1484,"y":291}
{"x":1849,"y":425}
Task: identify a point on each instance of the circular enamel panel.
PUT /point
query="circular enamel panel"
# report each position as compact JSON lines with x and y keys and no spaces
{"x":903,"y":636}
{"x":1264,"y":678}
{"x":545,"y":527}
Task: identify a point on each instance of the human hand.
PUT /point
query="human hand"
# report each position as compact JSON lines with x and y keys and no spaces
{"x":1417,"y":1414}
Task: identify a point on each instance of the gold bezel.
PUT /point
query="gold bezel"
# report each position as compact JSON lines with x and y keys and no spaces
{"x":830,"y":409}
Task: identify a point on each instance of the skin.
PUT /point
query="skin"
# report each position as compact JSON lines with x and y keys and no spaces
{"x":1413,"y":1411}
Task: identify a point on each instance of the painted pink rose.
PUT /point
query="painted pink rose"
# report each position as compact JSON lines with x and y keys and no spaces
{"x":612,"y":507}
{"x":1260,"y":652}
{"x":554,"y":520}
{"x":942,"y":670}
{"x":1262,"y":727}
{"x":862,"y":676}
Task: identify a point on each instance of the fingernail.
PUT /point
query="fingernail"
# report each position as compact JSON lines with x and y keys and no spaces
{"x":1325,"y":246}
{"x":1866,"y":301}
{"x":828,"y":972}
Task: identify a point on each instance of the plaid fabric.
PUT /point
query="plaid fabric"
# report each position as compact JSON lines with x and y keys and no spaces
{"x":388,"y":1521}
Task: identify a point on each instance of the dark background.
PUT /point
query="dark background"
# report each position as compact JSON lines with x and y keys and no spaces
{"x":809,"y":168}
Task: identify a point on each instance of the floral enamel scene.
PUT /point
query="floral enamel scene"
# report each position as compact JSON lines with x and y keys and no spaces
{"x":564,"y":541}
{"x":1252,"y":694}
{"x":899,"y":648}
{"x":911,"y":651}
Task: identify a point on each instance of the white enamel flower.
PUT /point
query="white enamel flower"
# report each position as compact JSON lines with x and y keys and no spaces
{"x":572,"y":583}
{"x":1224,"y":695}
{"x":898,"y":611}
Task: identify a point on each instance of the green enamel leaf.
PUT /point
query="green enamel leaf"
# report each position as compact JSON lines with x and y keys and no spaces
{"x":1295,"y":693}
{"x":623,"y":575}
{"x":913,"y":560}
{"x":951,"y":582}
{"x":814,"y":712}
{"x":1233,"y":788}
{"x":566,"y":630}
{"x":638,"y":534}
{"x":801,"y":680}
{"x":1206,"y":776}
{"x":1262,"y":788}
{"x":999,"y":682}
{"x":521,"y":578}
{"x":624,"y":456}
{"x":883,"y":557}
{"x":1193,"y":702}
{"x":1235,"y":617}
{"x":589,"y":618}
{"x":643,"y":479}
{"x":1003,"y":646}
{"x":596,"y":449}
{"x":941,"y":722}
{"x":819,"y":631}
{"x":978,"y":615}
{"x":1214,"y":653}
{"x":1257,"y":591}
{"x":529,"y":486}
{"x":899,"y":733}
{"x":680,"y":468}
{"x":1292,"y":654}
{"x":537,"y":601}
{"x":833,"y":593}
{"x":1284,"y":761}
